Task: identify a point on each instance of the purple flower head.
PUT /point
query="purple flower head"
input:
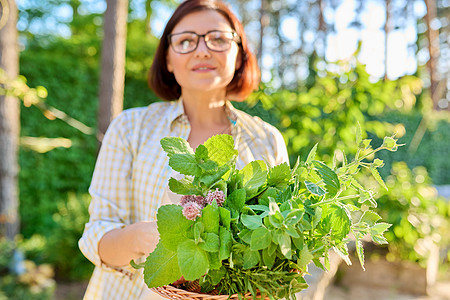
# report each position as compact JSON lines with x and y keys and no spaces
{"x":200,"y":200}
{"x":217,"y":195}
{"x":192,"y":210}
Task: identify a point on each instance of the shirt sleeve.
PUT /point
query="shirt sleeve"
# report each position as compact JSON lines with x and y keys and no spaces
{"x":276,"y":147}
{"x":110,"y":188}
{"x":280,"y":150}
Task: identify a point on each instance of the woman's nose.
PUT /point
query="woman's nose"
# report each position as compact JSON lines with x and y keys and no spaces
{"x":202,"y":49}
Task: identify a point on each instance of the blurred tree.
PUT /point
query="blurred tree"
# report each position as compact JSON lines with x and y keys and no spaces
{"x":74,"y":4}
{"x":263,"y":22}
{"x":288,"y":31}
{"x":148,"y":15}
{"x":292,"y":33}
{"x":9,"y":123}
{"x":433,"y":51}
{"x":387,"y":30}
{"x":113,"y":63}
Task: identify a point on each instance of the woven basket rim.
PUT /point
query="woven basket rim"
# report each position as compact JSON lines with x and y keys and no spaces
{"x":171,"y":292}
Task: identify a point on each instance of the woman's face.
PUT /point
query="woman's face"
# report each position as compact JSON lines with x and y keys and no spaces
{"x":203,"y":69}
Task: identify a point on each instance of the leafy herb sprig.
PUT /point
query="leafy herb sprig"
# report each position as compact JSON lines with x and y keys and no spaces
{"x":273,"y":223}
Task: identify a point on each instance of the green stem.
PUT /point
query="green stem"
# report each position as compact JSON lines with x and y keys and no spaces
{"x":315,"y":250}
{"x":357,"y":154}
{"x":347,"y":197}
{"x":323,"y":202}
{"x":359,"y":160}
{"x":333,"y":200}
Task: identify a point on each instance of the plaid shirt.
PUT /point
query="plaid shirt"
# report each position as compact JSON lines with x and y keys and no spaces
{"x":131,"y":175}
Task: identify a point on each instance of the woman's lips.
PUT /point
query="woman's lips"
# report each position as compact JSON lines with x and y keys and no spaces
{"x":203,"y":68}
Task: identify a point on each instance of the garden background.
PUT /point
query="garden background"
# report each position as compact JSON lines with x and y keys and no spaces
{"x":308,"y":92}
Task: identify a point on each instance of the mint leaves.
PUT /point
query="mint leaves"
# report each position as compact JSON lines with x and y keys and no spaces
{"x":254,"y":176}
{"x":193,"y":260}
{"x":161,"y":267}
{"x":205,"y":168}
{"x":221,"y":149}
{"x":269,"y":220}
{"x":172,"y":226}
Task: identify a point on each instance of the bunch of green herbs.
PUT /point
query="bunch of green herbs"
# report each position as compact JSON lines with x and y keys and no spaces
{"x":274,"y":222}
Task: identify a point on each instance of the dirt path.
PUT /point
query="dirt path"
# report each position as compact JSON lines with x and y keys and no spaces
{"x":441,"y":291}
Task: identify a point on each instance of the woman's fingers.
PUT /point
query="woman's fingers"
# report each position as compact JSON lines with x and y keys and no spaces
{"x":145,"y":236}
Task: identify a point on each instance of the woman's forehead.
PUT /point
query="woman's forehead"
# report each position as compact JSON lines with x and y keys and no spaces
{"x":202,"y":22}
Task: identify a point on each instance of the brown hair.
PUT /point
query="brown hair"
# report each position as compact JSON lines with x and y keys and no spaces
{"x":163,"y":82}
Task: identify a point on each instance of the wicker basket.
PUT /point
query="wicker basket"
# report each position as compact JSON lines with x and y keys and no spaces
{"x":171,"y":292}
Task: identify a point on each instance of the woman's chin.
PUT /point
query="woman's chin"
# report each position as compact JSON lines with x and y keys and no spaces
{"x":205,"y":86}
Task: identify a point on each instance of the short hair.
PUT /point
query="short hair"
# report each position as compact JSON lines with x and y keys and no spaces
{"x":246,"y":78}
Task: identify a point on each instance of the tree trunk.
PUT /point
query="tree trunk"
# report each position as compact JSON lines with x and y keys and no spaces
{"x":321,"y":31}
{"x":263,"y":22}
{"x":433,"y":50}
{"x":113,"y":63}
{"x":9,"y":124}
{"x":148,"y":16}
{"x":387,"y":30}
{"x":75,"y":4}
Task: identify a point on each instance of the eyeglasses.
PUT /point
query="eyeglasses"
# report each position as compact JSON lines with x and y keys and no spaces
{"x":215,"y":40}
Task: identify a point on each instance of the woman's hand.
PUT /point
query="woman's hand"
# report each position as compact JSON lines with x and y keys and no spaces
{"x":119,"y":246}
{"x":144,"y":237}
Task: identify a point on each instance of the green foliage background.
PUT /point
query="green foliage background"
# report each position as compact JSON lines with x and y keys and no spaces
{"x":69,"y":70}
{"x":324,"y":109}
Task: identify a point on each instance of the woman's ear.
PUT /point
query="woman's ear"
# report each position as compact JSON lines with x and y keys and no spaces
{"x":238,"y":60}
{"x":169,"y":65}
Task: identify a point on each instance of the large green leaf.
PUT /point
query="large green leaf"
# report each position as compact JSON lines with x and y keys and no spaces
{"x":251,"y":221}
{"x":208,"y":166}
{"x":193,"y":260}
{"x":314,"y":188}
{"x":172,"y":225}
{"x":214,"y":261}
{"x":175,"y":145}
{"x":183,"y":187}
{"x":225,"y":243}
{"x":161,"y":267}
{"x":271,"y":192}
{"x":236,"y":200}
{"x":210,"y":242}
{"x":221,"y":148}
{"x":284,"y":241}
{"x":251,"y":259}
{"x":225,"y":217}
{"x":305,"y":257}
{"x":379,"y":228}
{"x":261,"y":238}
{"x":268,"y":259}
{"x":255,"y":175}
{"x":279,"y":175}
{"x":210,"y":179}
{"x":201,"y":154}
{"x":335,"y":220}
{"x":210,"y":218}
{"x":377,"y":177}
{"x":311,"y":154}
{"x":329,"y":177}
{"x":370,"y":217}
{"x":185,"y":164}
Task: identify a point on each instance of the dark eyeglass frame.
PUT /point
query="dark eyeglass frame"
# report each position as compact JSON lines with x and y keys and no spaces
{"x":235,"y":37}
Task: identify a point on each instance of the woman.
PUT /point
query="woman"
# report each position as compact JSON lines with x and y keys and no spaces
{"x":201,"y":62}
